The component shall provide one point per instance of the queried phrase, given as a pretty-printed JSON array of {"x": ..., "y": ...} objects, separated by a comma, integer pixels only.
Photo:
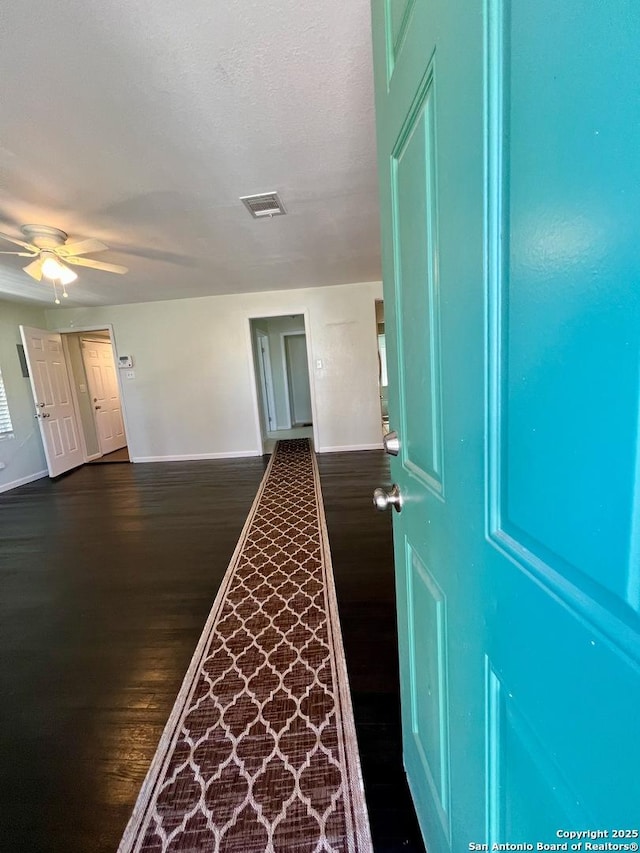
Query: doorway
[
  {"x": 93, "y": 377},
  {"x": 70, "y": 396},
  {"x": 284, "y": 394}
]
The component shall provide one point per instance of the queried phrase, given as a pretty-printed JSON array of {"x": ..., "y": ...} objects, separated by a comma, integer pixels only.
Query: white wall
[
  {"x": 194, "y": 393},
  {"x": 22, "y": 454}
]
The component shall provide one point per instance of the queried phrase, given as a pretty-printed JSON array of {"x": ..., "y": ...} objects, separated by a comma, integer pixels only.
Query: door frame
[
  {"x": 96, "y": 327},
  {"x": 267, "y": 315}
]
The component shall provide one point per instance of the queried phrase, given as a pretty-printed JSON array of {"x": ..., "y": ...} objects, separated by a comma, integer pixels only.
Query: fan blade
[
  {"x": 21, "y": 254},
  {"x": 81, "y": 247},
  {"x": 34, "y": 269},
  {"x": 24, "y": 245},
  {"x": 97, "y": 265}
]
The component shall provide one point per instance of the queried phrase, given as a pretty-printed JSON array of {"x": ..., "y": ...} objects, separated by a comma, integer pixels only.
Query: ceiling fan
[{"x": 51, "y": 253}]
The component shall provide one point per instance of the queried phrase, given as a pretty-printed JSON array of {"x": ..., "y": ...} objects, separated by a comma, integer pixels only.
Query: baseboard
[
  {"x": 93, "y": 456},
  {"x": 23, "y": 481},
  {"x": 345, "y": 448},
  {"x": 192, "y": 457}
]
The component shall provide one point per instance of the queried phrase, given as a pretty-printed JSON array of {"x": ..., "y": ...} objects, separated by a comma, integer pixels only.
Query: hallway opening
[
  {"x": 75, "y": 387},
  {"x": 93, "y": 376},
  {"x": 284, "y": 393}
]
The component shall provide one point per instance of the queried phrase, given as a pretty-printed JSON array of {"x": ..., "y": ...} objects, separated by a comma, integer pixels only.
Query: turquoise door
[{"x": 509, "y": 159}]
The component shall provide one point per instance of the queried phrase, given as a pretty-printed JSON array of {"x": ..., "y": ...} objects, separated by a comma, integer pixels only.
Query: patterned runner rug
[{"x": 259, "y": 754}]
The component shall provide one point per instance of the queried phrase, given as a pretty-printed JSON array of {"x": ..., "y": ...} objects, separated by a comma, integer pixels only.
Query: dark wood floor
[{"x": 106, "y": 579}]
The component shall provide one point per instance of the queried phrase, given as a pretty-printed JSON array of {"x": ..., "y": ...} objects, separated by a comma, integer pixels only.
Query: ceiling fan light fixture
[
  {"x": 56, "y": 271},
  {"x": 48, "y": 247}
]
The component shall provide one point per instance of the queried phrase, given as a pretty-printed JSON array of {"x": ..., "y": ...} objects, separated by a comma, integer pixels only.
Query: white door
[
  {"x": 105, "y": 394},
  {"x": 52, "y": 397},
  {"x": 298, "y": 376}
]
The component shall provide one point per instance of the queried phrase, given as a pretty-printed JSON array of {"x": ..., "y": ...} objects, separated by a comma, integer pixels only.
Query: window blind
[{"x": 6, "y": 427}]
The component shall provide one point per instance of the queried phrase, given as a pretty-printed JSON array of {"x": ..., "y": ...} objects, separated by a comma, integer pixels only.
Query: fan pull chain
[
  {"x": 55, "y": 292},
  {"x": 64, "y": 290}
]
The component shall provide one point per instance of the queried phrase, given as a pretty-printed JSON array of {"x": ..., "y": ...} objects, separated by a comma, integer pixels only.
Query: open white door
[
  {"x": 52, "y": 397},
  {"x": 105, "y": 394}
]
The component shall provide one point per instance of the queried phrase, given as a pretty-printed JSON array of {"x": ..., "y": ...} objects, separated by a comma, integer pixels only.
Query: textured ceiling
[{"x": 141, "y": 122}]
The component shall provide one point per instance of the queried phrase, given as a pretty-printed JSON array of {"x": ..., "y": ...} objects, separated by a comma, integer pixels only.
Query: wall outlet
[
  {"x": 2, "y": 466},
  {"x": 319, "y": 364},
  {"x": 130, "y": 374}
]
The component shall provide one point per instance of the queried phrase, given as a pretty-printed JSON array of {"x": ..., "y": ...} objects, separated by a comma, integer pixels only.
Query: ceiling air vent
[{"x": 264, "y": 204}]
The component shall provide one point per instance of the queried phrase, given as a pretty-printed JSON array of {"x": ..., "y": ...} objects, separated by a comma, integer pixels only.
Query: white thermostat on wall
[{"x": 125, "y": 361}]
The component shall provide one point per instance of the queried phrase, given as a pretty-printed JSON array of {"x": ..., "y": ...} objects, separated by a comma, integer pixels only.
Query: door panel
[
  {"x": 55, "y": 438},
  {"x": 564, "y": 429},
  {"x": 413, "y": 188},
  {"x": 426, "y": 615},
  {"x": 513, "y": 332},
  {"x": 52, "y": 397},
  {"x": 528, "y": 795},
  {"x": 398, "y": 14},
  {"x": 43, "y": 371}
]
